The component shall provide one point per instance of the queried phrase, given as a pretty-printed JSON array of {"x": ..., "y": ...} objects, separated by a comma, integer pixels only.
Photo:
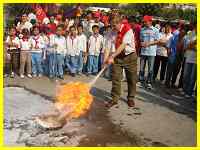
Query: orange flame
[{"x": 75, "y": 96}]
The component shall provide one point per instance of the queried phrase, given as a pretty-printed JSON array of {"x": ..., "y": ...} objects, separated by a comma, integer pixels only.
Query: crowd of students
[{"x": 81, "y": 45}]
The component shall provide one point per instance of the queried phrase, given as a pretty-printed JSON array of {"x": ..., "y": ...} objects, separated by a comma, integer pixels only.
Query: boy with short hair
[
  {"x": 82, "y": 48},
  {"x": 36, "y": 52},
  {"x": 95, "y": 44},
  {"x": 12, "y": 45},
  {"x": 72, "y": 51},
  {"x": 25, "y": 53},
  {"x": 56, "y": 58}
]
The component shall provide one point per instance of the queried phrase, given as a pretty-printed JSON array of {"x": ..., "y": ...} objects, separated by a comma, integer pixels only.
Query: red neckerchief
[
  {"x": 95, "y": 36},
  {"x": 25, "y": 39},
  {"x": 72, "y": 38},
  {"x": 36, "y": 38},
  {"x": 125, "y": 28}
]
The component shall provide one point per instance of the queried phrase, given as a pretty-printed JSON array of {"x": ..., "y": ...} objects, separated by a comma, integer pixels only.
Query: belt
[{"x": 123, "y": 55}]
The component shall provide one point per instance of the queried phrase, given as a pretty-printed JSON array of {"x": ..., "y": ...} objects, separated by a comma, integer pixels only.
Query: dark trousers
[
  {"x": 13, "y": 66},
  {"x": 143, "y": 60},
  {"x": 177, "y": 67},
  {"x": 129, "y": 63},
  {"x": 163, "y": 61},
  {"x": 180, "y": 84},
  {"x": 173, "y": 69}
]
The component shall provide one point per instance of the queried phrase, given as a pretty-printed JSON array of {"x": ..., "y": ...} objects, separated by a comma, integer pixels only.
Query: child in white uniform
[
  {"x": 95, "y": 45},
  {"x": 12, "y": 45},
  {"x": 25, "y": 53},
  {"x": 72, "y": 52}
]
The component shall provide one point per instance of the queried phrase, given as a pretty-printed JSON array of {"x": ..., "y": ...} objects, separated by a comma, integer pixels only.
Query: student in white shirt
[
  {"x": 25, "y": 54},
  {"x": 45, "y": 54},
  {"x": 12, "y": 46},
  {"x": 82, "y": 47},
  {"x": 36, "y": 52},
  {"x": 108, "y": 48},
  {"x": 56, "y": 58},
  {"x": 95, "y": 44},
  {"x": 71, "y": 58}
]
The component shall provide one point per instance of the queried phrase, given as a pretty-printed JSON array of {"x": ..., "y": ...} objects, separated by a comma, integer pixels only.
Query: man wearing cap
[
  {"x": 175, "y": 56},
  {"x": 136, "y": 28},
  {"x": 123, "y": 58},
  {"x": 96, "y": 21},
  {"x": 149, "y": 39}
]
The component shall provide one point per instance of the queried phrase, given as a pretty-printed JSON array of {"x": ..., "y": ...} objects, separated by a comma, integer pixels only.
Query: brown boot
[
  {"x": 111, "y": 103},
  {"x": 131, "y": 103}
]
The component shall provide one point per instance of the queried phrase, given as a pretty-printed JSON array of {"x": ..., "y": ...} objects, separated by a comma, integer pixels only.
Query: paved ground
[{"x": 162, "y": 117}]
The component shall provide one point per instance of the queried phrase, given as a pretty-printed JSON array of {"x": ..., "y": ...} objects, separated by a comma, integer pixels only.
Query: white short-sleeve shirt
[
  {"x": 26, "y": 25},
  {"x": 60, "y": 41},
  {"x": 39, "y": 41},
  {"x": 25, "y": 44},
  {"x": 129, "y": 40},
  {"x": 72, "y": 46},
  {"x": 15, "y": 41},
  {"x": 82, "y": 42},
  {"x": 95, "y": 44}
]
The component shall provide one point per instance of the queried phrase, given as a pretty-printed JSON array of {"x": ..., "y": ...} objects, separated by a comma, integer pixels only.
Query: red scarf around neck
[{"x": 120, "y": 35}]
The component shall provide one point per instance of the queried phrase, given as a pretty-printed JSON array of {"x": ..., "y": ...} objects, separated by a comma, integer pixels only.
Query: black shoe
[
  {"x": 111, "y": 104},
  {"x": 88, "y": 74},
  {"x": 173, "y": 86},
  {"x": 12, "y": 75},
  {"x": 131, "y": 103},
  {"x": 94, "y": 73},
  {"x": 73, "y": 74},
  {"x": 51, "y": 77},
  {"x": 167, "y": 85},
  {"x": 109, "y": 79},
  {"x": 61, "y": 77}
]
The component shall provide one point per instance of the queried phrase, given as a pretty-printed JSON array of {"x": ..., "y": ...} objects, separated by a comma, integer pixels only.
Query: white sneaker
[
  {"x": 182, "y": 92},
  {"x": 180, "y": 89},
  {"x": 22, "y": 76},
  {"x": 124, "y": 80},
  {"x": 149, "y": 86},
  {"x": 187, "y": 96},
  {"x": 39, "y": 75},
  {"x": 5, "y": 75},
  {"x": 34, "y": 75},
  {"x": 29, "y": 75},
  {"x": 12, "y": 75},
  {"x": 140, "y": 84}
]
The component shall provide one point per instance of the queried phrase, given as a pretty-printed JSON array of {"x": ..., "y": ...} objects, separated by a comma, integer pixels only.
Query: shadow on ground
[{"x": 158, "y": 97}]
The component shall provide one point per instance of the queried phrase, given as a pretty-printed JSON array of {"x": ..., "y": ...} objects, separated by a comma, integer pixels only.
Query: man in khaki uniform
[{"x": 124, "y": 57}]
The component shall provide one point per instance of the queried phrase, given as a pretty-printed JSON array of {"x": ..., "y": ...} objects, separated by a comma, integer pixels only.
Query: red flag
[{"x": 40, "y": 13}]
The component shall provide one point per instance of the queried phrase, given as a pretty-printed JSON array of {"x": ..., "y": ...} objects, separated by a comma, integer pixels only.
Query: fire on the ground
[{"x": 74, "y": 96}]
